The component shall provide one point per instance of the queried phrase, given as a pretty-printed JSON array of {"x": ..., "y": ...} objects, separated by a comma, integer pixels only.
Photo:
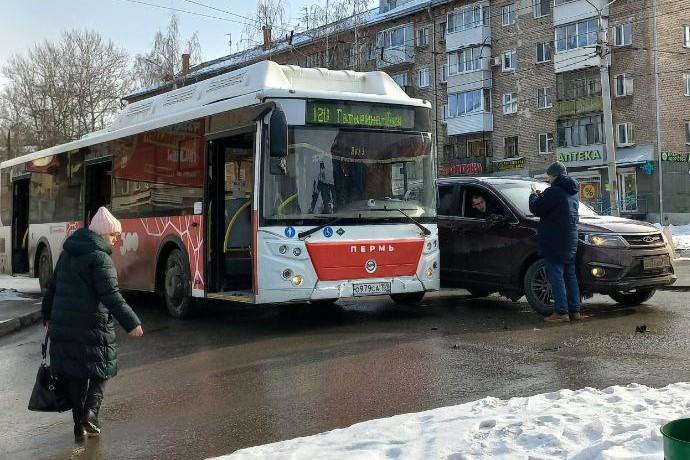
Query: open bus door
[
  {"x": 20, "y": 225},
  {"x": 97, "y": 191},
  {"x": 230, "y": 195}
]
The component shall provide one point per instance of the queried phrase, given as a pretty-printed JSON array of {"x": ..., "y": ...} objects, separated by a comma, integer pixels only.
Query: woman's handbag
[{"x": 48, "y": 394}]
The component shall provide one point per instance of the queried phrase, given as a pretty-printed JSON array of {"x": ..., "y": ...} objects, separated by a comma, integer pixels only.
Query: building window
[
  {"x": 624, "y": 134},
  {"x": 423, "y": 36},
  {"x": 509, "y": 61},
  {"x": 478, "y": 148},
  {"x": 371, "y": 51},
  {"x": 544, "y": 52},
  {"x": 686, "y": 36},
  {"x": 571, "y": 89},
  {"x": 423, "y": 77},
  {"x": 581, "y": 131},
  {"x": 400, "y": 79},
  {"x": 545, "y": 143},
  {"x": 510, "y": 103},
  {"x": 577, "y": 35},
  {"x": 541, "y": 8},
  {"x": 687, "y": 132},
  {"x": 686, "y": 83},
  {"x": 544, "y": 98},
  {"x": 467, "y": 102},
  {"x": 510, "y": 147},
  {"x": 465, "y": 60},
  {"x": 509, "y": 15},
  {"x": 393, "y": 38},
  {"x": 624, "y": 85},
  {"x": 468, "y": 18},
  {"x": 443, "y": 30},
  {"x": 624, "y": 34}
]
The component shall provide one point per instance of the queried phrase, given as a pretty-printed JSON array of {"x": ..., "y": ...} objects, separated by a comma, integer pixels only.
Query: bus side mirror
[
  {"x": 278, "y": 140},
  {"x": 278, "y": 134}
]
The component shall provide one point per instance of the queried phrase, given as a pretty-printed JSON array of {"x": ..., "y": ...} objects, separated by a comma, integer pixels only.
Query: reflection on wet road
[{"x": 237, "y": 377}]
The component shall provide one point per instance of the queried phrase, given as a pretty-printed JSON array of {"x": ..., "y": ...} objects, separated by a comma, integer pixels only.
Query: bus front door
[
  {"x": 20, "y": 226},
  {"x": 231, "y": 185},
  {"x": 98, "y": 188}
]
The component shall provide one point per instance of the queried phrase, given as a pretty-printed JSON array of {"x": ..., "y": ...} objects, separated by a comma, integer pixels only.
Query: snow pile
[
  {"x": 615, "y": 423},
  {"x": 12, "y": 294},
  {"x": 19, "y": 283},
  {"x": 681, "y": 236}
]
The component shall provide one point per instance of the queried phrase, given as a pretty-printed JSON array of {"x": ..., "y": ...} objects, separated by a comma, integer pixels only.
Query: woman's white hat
[{"x": 104, "y": 222}]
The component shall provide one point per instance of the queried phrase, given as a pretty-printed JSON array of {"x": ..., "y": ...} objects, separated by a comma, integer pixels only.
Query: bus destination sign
[{"x": 360, "y": 115}]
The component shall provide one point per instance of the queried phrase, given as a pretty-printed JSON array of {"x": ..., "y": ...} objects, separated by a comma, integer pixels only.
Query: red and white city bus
[{"x": 266, "y": 184}]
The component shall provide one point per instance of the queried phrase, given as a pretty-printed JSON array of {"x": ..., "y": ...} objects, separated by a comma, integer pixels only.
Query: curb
[{"x": 23, "y": 321}]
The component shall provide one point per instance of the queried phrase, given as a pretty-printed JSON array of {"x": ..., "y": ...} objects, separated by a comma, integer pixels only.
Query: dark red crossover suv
[{"x": 494, "y": 248}]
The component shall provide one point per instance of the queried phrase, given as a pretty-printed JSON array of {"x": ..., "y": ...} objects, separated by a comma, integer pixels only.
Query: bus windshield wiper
[
  {"x": 306, "y": 233},
  {"x": 425, "y": 230}
]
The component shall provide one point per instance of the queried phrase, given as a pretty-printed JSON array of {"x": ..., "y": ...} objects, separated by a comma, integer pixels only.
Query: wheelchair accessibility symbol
[
  {"x": 289, "y": 232},
  {"x": 328, "y": 232}
]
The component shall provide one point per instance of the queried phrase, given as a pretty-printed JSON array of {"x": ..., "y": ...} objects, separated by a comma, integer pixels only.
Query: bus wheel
[
  {"x": 408, "y": 299},
  {"x": 45, "y": 269},
  {"x": 177, "y": 285}
]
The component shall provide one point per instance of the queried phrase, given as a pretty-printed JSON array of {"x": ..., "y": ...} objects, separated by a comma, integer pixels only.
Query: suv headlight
[{"x": 604, "y": 240}]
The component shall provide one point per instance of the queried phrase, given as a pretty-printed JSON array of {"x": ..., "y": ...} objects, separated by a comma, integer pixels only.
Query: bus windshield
[{"x": 351, "y": 173}]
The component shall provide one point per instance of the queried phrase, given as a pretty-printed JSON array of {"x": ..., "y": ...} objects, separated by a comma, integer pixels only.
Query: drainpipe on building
[
  {"x": 435, "y": 87},
  {"x": 658, "y": 114}
]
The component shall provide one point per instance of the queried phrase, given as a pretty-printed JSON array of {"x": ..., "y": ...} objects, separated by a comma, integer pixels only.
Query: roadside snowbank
[
  {"x": 20, "y": 283},
  {"x": 614, "y": 423}
]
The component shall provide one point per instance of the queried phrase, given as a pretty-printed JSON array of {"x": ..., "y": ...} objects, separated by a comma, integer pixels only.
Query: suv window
[
  {"x": 447, "y": 201},
  {"x": 480, "y": 204}
]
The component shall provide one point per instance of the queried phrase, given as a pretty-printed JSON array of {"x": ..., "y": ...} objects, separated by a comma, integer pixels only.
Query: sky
[{"x": 131, "y": 24}]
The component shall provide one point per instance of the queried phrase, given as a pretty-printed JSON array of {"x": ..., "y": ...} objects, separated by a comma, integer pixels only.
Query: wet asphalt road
[{"x": 236, "y": 377}]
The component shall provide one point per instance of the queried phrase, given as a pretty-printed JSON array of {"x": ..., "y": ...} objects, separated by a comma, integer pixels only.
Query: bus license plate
[
  {"x": 652, "y": 263},
  {"x": 363, "y": 289}
]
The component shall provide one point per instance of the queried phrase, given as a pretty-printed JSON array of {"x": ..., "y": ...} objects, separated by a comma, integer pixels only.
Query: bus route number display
[{"x": 360, "y": 115}]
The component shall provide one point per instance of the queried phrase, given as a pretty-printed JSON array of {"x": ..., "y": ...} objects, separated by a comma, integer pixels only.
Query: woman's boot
[
  {"x": 90, "y": 422},
  {"x": 79, "y": 432}
]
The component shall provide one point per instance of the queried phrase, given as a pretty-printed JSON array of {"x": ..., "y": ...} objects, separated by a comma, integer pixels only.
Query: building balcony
[
  {"x": 480, "y": 35},
  {"x": 468, "y": 81},
  {"x": 395, "y": 56},
  {"x": 576, "y": 10},
  {"x": 471, "y": 123},
  {"x": 579, "y": 58},
  {"x": 580, "y": 106}
]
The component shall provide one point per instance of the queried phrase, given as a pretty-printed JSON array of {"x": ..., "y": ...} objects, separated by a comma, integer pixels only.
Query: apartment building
[{"x": 515, "y": 85}]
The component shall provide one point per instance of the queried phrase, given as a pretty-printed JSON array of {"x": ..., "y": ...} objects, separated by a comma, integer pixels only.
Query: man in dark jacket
[
  {"x": 557, "y": 209},
  {"x": 79, "y": 306}
]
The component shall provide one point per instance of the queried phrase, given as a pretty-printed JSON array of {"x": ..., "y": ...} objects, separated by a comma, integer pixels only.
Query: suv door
[
  {"x": 487, "y": 246},
  {"x": 449, "y": 208}
]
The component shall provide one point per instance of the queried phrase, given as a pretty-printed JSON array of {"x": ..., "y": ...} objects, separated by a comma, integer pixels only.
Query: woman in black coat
[{"x": 82, "y": 299}]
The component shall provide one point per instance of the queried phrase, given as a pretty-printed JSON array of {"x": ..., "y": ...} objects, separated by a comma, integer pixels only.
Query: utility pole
[
  {"x": 658, "y": 117},
  {"x": 604, "y": 51}
]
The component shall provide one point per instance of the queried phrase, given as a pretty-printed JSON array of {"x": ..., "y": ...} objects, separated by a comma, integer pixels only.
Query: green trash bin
[{"x": 677, "y": 439}]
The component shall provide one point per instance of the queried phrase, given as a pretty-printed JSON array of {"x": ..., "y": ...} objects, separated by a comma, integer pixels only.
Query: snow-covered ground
[
  {"x": 620, "y": 422},
  {"x": 681, "y": 236},
  {"x": 20, "y": 283}
]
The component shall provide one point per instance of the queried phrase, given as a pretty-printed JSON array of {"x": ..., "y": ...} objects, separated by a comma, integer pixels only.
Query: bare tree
[
  {"x": 59, "y": 91},
  {"x": 269, "y": 13},
  {"x": 164, "y": 61},
  {"x": 338, "y": 25}
]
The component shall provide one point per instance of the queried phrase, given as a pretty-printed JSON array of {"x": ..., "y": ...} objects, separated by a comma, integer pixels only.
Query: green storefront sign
[
  {"x": 676, "y": 157},
  {"x": 585, "y": 155}
]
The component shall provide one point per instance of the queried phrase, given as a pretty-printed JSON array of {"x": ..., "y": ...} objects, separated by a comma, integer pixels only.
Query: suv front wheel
[{"x": 538, "y": 289}]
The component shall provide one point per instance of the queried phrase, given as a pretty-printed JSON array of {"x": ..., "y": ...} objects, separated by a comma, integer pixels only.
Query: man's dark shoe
[
  {"x": 575, "y": 316},
  {"x": 557, "y": 318},
  {"x": 90, "y": 422},
  {"x": 79, "y": 433}
]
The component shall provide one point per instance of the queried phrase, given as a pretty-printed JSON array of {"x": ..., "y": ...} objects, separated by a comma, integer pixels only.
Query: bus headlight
[{"x": 297, "y": 280}]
